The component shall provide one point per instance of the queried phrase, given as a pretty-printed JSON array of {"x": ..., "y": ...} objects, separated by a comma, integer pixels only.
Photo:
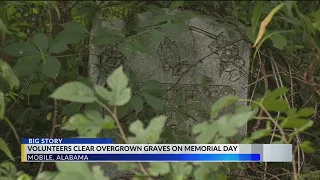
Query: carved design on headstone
[
  {"x": 228, "y": 53},
  {"x": 192, "y": 95},
  {"x": 169, "y": 56}
]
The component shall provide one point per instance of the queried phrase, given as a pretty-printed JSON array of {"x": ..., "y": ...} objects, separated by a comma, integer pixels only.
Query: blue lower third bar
[{"x": 145, "y": 157}]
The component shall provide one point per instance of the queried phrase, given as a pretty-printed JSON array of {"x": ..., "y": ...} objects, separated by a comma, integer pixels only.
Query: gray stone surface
[{"x": 208, "y": 49}]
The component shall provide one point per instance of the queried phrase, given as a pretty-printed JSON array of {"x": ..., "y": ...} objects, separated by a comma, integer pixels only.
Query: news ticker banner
[{"x": 102, "y": 150}]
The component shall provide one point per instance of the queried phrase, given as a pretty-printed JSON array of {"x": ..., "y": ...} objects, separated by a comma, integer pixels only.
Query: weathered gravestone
[{"x": 181, "y": 61}]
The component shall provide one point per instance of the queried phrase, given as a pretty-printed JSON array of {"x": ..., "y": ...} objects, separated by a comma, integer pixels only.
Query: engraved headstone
[{"x": 181, "y": 61}]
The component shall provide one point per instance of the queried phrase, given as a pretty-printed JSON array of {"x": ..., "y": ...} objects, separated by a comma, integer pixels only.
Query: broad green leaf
[
  {"x": 307, "y": 147},
  {"x": 277, "y": 105},
  {"x": 226, "y": 128},
  {"x": 98, "y": 173},
  {"x": 26, "y": 66},
  {"x": 84, "y": 127},
  {"x": 8, "y": 74},
  {"x": 70, "y": 37},
  {"x": 157, "y": 35},
  {"x": 291, "y": 111},
  {"x": 155, "y": 9},
  {"x": 74, "y": 92},
  {"x": 126, "y": 166},
  {"x": 294, "y": 123},
  {"x": 34, "y": 89},
  {"x": 180, "y": 170},
  {"x": 154, "y": 102},
  {"x": 107, "y": 36},
  {"x": 126, "y": 49},
  {"x": 221, "y": 103},
  {"x": 151, "y": 134},
  {"x": 203, "y": 172},
  {"x": 105, "y": 123},
  {"x": 175, "y": 27},
  {"x": 278, "y": 41},
  {"x": 75, "y": 27},
  {"x": 114, "y": 97},
  {"x": 206, "y": 132},
  {"x": 3, "y": 27},
  {"x": 41, "y": 40},
  {"x": 276, "y": 93},
  {"x": 306, "y": 112},
  {"x": 58, "y": 48},
  {"x": 151, "y": 84},
  {"x": 24, "y": 176},
  {"x": 139, "y": 46},
  {"x": 159, "y": 168},
  {"x": 302, "y": 128},
  {"x": 137, "y": 103},
  {"x": 51, "y": 68},
  {"x": 117, "y": 79},
  {"x": 162, "y": 18},
  {"x": 4, "y": 147},
  {"x": 69, "y": 176},
  {"x": 21, "y": 49},
  {"x": 240, "y": 119},
  {"x": 256, "y": 135},
  {"x": 46, "y": 175},
  {"x": 71, "y": 108},
  {"x": 176, "y": 4},
  {"x": 2, "y": 105}
]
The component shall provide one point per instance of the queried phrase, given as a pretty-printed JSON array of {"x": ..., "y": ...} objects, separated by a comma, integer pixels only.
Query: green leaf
[
  {"x": 2, "y": 105},
  {"x": 176, "y": 4},
  {"x": 151, "y": 84},
  {"x": 83, "y": 126},
  {"x": 98, "y": 173},
  {"x": 106, "y": 122},
  {"x": 175, "y": 27},
  {"x": 58, "y": 48},
  {"x": 34, "y": 89},
  {"x": 20, "y": 49},
  {"x": 126, "y": 48},
  {"x": 239, "y": 119},
  {"x": 162, "y": 18},
  {"x": 159, "y": 168},
  {"x": 117, "y": 79},
  {"x": 126, "y": 166},
  {"x": 203, "y": 172},
  {"x": 306, "y": 112},
  {"x": 256, "y": 135},
  {"x": 302, "y": 128},
  {"x": 306, "y": 147},
  {"x": 119, "y": 94},
  {"x": 41, "y": 40},
  {"x": 26, "y": 66},
  {"x": 51, "y": 68},
  {"x": 137, "y": 103},
  {"x": 294, "y": 123},
  {"x": 149, "y": 135},
  {"x": 139, "y": 46},
  {"x": 8, "y": 74},
  {"x": 206, "y": 132},
  {"x": 221, "y": 103},
  {"x": 157, "y": 35},
  {"x": 46, "y": 175},
  {"x": 75, "y": 27},
  {"x": 69, "y": 176},
  {"x": 5, "y": 149},
  {"x": 70, "y": 37},
  {"x": 154, "y": 102},
  {"x": 277, "y": 105},
  {"x": 180, "y": 170},
  {"x": 276, "y": 93},
  {"x": 155, "y": 9},
  {"x": 278, "y": 41},
  {"x": 3, "y": 27},
  {"x": 74, "y": 92},
  {"x": 71, "y": 108}
]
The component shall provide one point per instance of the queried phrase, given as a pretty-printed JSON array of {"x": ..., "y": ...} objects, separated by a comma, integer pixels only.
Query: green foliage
[{"x": 37, "y": 63}]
